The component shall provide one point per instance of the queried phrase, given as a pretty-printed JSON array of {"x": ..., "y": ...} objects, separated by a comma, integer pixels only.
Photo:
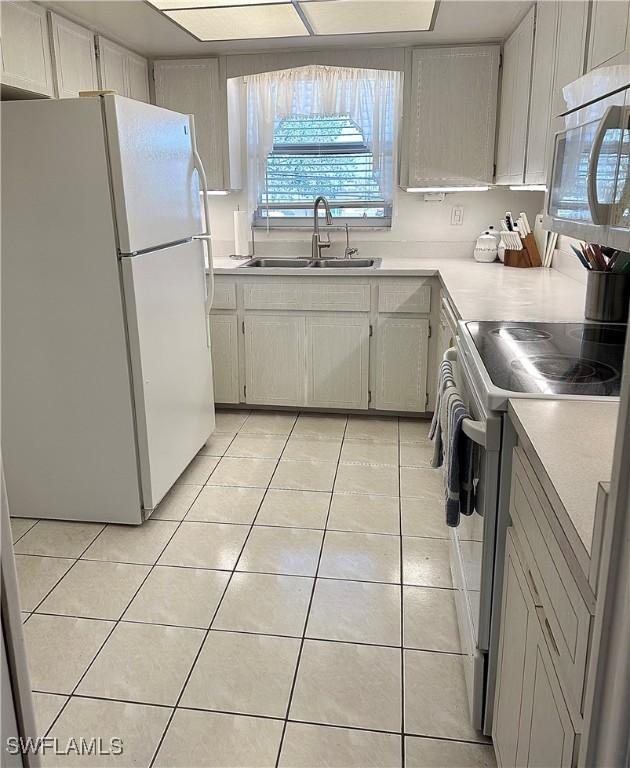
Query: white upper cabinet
[
  {"x": 193, "y": 86},
  {"x": 122, "y": 71},
  {"x": 137, "y": 77},
  {"x": 112, "y": 66},
  {"x": 74, "y": 57},
  {"x": 450, "y": 115},
  {"x": 25, "y": 48},
  {"x": 571, "y": 37},
  {"x": 539, "y": 129},
  {"x": 609, "y": 36},
  {"x": 515, "y": 89}
]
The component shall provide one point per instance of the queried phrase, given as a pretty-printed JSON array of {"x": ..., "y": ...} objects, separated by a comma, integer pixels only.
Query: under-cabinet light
[
  {"x": 447, "y": 189},
  {"x": 217, "y": 191},
  {"x": 528, "y": 187}
]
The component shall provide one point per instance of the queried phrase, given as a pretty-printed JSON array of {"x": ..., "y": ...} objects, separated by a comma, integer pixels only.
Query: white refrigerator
[{"x": 106, "y": 369}]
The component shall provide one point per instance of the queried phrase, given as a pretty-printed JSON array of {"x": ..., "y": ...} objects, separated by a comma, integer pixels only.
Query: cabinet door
[
  {"x": 402, "y": 354},
  {"x": 515, "y": 619},
  {"x": 137, "y": 77},
  {"x": 25, "y": 48},
  {"x": 515, "y": 87},
  {"x": 608, "y": 42},
  {"x": 274, "y": 359},
  {"x": 112, "y": 66},
  {"x": 192, "y": 86},
  {"x": 539, "y": 132},
  {"x": 74, "y": 57},
  {"x": 451, "y": 129},
  {"x": 546, "y": 735},
  {"x": 337, "y": 352},
  {"x": 570, "y": 53},
  {"x": 224, "y": 347}
]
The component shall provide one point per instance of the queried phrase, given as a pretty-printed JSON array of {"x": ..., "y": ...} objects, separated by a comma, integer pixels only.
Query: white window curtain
[{"x": 370, "y": 97}]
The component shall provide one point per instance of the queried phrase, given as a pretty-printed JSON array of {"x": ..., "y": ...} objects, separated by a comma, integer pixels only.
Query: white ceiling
[{"x": 144, "y": 29}]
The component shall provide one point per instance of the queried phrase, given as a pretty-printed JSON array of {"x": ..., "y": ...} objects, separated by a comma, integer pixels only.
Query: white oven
[
  {"x": 473, "y": 541},
  {"x": 589, "y": 185}
]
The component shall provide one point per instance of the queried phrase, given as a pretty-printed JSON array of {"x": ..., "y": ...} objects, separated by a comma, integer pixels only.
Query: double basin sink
[{"x": 265, "y": 263}]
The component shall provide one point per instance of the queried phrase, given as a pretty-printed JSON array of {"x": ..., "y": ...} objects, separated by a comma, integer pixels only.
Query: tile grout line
[
  {"x": 244, "y": 632},
  {"x": 133, "y": 597},
  {"x": 402, "y": 614},
  {"x": 218, "y": 607},
  {"x": 117, "y": 621},
  {"x": 310, "y": 603}
]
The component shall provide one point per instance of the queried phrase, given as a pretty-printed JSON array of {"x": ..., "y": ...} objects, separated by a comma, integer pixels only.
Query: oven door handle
[{"x": 475, "y": 430}]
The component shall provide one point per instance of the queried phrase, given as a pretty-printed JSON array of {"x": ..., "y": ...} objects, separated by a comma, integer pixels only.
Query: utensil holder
[
  {"x": 528, "y": 256},
  {"x": 607, "y": 297},
  {"x": 514, "y": 258}
]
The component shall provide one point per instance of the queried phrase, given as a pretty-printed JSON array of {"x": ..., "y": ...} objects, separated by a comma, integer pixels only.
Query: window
[
  {"x": 314, "y": 156},
  {"x": 321, "y": 130}
]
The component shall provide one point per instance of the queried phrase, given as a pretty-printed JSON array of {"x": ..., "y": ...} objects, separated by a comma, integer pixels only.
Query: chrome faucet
[
  {"x": 317, "y": 242},
  {"x": 349, "y": 253}
]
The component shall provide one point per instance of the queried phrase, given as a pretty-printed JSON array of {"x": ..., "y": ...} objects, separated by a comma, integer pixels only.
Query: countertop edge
[{"x": 576, "y": 552}]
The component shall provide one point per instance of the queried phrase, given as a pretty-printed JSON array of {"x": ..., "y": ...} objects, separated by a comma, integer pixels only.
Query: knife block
[{"x": 528, "y": 256}]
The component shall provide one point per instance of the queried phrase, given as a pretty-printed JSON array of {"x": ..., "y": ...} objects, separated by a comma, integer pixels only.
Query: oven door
[
  {"x": 473, "y": 543},
  {"x": 588, "y": 192}
]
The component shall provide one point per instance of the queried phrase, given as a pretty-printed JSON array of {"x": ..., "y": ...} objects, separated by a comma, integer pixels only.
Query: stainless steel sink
[
  {"x": 346, "y": 263},
  {"x": 270, "y": 263},
  {"x": 279, "y": 263}
]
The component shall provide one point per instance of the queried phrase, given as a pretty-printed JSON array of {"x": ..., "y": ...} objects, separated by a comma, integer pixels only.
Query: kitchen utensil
[{"x": 583, "y": 260}]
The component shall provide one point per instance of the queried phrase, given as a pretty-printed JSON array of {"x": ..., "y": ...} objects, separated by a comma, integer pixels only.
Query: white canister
[{"x": 485, "y": 248}]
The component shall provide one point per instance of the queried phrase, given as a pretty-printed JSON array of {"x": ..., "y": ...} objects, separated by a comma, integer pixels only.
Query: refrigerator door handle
[{"x": 206, "y": 235}]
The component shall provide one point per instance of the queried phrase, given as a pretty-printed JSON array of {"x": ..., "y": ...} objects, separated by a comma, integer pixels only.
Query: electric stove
[{"x": 551, "y": 359}]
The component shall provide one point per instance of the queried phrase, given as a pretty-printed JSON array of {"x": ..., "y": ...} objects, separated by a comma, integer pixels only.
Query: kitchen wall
[{"x": 418, "y": 227}]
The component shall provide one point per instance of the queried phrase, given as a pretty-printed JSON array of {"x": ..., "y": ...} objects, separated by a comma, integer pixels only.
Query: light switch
[{"x": 457, "y": 215}]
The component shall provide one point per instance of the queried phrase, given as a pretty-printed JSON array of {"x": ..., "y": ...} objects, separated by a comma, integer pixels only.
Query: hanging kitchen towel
[
  {"x": 459, "y": 474},
  {"x": 445, "y": 379}
]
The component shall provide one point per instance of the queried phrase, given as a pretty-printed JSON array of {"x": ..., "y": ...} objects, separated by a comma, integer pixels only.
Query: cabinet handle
[
  {"x": 547, "y": 627},
  {"x": 533, "y": 587}
]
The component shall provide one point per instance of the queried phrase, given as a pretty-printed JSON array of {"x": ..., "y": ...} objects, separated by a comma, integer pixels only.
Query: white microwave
[{"x": 588, "y": 194}]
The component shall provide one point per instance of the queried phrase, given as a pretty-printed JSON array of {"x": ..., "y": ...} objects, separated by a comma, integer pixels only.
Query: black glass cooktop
[{"x": 552, "y": 358}]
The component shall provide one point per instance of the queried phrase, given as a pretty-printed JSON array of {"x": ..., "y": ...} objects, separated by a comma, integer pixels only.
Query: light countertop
[
  {"x": 478, "y": 291},
  {"x": 574, "y": 442}
]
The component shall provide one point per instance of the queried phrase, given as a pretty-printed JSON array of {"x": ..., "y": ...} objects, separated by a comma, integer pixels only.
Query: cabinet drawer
[
  {"x": 224, "y": 294},
  {"x": 412, "y": 296},
  {"x": 330, "y": 296},
  {"x": 565, "y": 616}
]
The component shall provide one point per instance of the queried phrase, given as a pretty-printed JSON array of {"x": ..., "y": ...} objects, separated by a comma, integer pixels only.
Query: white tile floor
[{"x": 270, "y": 612}]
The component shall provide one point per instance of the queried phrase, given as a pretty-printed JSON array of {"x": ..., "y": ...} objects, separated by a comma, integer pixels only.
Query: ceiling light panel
[
  {"x": 241, "y": 22},
  {"x": 346, "y": 17},
  {"x": 172, "y": 5}
]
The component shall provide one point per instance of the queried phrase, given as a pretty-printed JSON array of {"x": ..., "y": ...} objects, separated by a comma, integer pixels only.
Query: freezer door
[
  {"x": 170, "y": 361},
  {"x": 155, "y": 184}
]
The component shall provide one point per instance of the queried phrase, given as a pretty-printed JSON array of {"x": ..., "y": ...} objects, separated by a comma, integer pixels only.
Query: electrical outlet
[{"x": 457, "y": 215}]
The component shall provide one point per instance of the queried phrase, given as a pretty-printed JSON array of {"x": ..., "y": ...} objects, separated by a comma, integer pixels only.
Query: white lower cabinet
[
  {"x": 546, "y": 736},
  {"x": 402, "y": 349},
  {"x": 314, "y": 343},
  {"x": 224, "y": 346},
  {"x": 515, "y": 617},
  {"x": 337, "y": 360},
  {"x": 532, "y": 726},
  {"x": 274, "y": 359}
]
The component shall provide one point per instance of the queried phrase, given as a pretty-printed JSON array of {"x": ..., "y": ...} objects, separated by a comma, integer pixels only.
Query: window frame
[{"x": 260, "y": 221}]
